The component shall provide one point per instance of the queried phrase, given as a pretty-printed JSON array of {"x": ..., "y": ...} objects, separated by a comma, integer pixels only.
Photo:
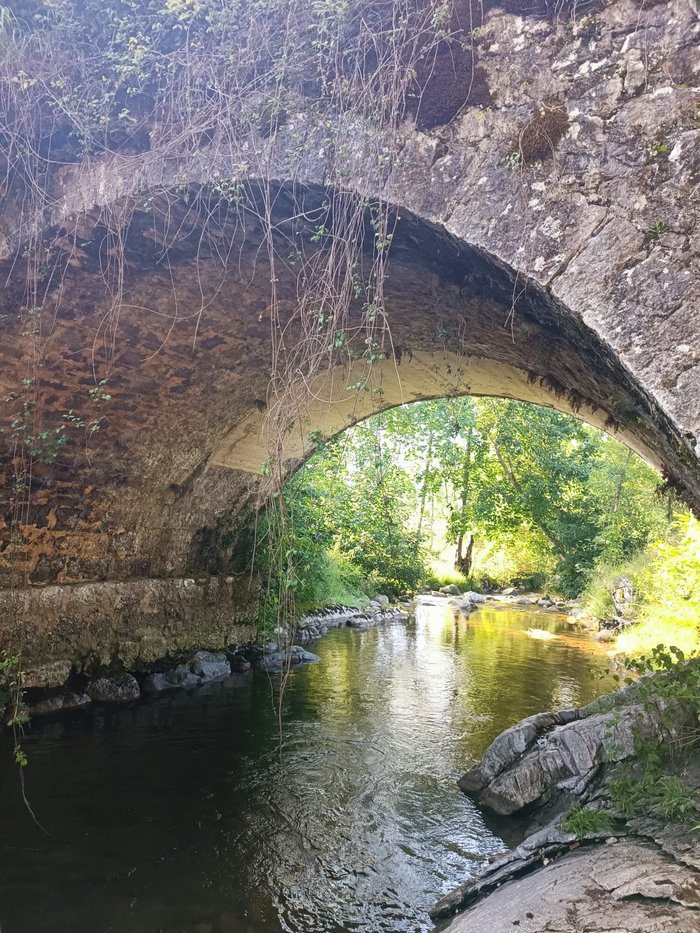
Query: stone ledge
[{"x": 91, "y": 625}]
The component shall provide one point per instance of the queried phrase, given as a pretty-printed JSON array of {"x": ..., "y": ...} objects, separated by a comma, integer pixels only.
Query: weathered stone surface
[
  {"x": 628, "y": 887},
  {"x": 507, "y": 749},
  {"x": 644, "y": 877},
  {"x": 135, "y": 622},
  {"x": 51, "y": 674},
  {"x": 114, "y": 688},
  {"x": 209, "y": 664}
]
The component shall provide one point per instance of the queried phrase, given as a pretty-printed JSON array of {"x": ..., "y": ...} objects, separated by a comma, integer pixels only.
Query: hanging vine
[{"x": 202, "y": 114}]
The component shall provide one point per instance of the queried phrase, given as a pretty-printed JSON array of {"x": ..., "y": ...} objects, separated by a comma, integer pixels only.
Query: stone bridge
[{"x": 567, "y": 274}]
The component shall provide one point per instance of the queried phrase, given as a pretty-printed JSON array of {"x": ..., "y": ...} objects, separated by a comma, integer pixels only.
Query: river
[{"x": 193, "y": 813}]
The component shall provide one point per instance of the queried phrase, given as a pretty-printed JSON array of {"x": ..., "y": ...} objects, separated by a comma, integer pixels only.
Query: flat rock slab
[{"x": 629, "y": 887}]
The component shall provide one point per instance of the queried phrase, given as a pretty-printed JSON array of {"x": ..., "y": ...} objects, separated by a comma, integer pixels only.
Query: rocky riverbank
[
  {"x": 607, "y": 799},
  {"x": 72, "y": 689}
]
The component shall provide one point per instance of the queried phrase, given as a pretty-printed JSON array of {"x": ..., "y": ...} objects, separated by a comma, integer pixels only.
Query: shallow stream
[{"x": 192, "y": 813}]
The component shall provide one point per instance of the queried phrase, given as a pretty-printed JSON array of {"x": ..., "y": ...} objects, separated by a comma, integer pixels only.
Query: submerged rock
[
  {"x": 61, "y": 703},
  {"x": 114, "y": 688},
  {"x": 180, "y": 676},
  {"x": 277, "y": 661},
  {"x": 473, "y": 597},
  {"x": 208, "y": 665},
  {"x": 201, "y": 668}
]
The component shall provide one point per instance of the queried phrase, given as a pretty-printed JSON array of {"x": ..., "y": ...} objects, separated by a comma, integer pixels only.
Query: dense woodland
[{"x": 490, "y": 493}]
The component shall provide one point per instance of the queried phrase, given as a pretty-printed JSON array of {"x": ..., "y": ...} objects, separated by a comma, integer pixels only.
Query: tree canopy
[{"x": 494, "y": 475}]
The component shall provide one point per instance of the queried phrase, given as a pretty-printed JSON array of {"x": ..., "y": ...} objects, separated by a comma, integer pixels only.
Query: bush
[{"x": 668, "y": 609}]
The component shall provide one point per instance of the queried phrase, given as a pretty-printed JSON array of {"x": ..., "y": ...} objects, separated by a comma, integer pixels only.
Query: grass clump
[
  {"x": 661, "y": 795},
  {"x": 582, "y": 820}
]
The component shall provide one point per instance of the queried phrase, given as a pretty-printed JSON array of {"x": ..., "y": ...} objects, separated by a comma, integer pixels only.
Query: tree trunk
[{"x": 463, "y": 561}]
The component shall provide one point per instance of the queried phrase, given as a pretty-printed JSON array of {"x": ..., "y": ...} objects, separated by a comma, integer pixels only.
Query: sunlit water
[{"x": 189, "y": 814}]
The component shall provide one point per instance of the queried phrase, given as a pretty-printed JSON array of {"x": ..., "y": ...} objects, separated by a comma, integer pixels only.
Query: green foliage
[
  {"x": 355, "y": 500},
  {"x": 9, "y": 674},
  {"x": 582, "y": 820},
  {"x": 667, "y": 583},
  {"x": 656, "y": 229},
  {"x": 675, "y": 683},
  {"x": 546, "y": 498},
  {"x": 10, "y": 699},
  {"x": 626, "y": 795}
]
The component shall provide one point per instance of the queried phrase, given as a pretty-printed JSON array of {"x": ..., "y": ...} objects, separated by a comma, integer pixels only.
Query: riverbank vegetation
[{"x": 491, "y": 493}]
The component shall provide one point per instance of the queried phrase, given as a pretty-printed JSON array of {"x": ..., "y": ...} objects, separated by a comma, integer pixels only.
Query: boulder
[
  {"x": 114, "y": 688},
  {"x": 75, "y": 701},
  {"x": 180, "y": 676},
  {"x": 551, "y": 753},
  {"x": 382, "y": 600},
  {"x": 278, "y": 661},
  {"x": 451, "y": 590},
  {"x": 46, "y": 707}
]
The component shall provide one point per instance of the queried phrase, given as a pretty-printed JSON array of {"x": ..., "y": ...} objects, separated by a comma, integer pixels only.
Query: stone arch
[
  {"x": 571, "y": 280},
  {"x": 182, "y": 439}
]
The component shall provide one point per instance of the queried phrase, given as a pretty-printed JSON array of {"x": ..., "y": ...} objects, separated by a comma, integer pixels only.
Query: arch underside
[{"x": 185, "y": 353}]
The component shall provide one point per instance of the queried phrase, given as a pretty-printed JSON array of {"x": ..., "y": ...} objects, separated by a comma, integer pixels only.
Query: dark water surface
[{"x": 188, "y": 814}]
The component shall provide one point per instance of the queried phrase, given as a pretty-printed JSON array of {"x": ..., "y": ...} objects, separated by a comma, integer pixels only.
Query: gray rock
[
  {"x": 76, "y": 701},
  {"x": 180, "y": 676},
  {"x": 451, "y": 590},
  {"x": 382, "y": 600},
  {"x": 532, "y": 761},
  {"x": 208, "y": 665},
  {"x": 278, "y": 661},
  {"x": 201, "y": 668},
  {"x": 114, "y": 688},
  {"x": 630, "y": 886},
  {"x": 474, "y": 597}
]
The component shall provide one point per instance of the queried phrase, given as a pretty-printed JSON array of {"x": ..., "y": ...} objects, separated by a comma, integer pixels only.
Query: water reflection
[{"x": 189, "y": 814}]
